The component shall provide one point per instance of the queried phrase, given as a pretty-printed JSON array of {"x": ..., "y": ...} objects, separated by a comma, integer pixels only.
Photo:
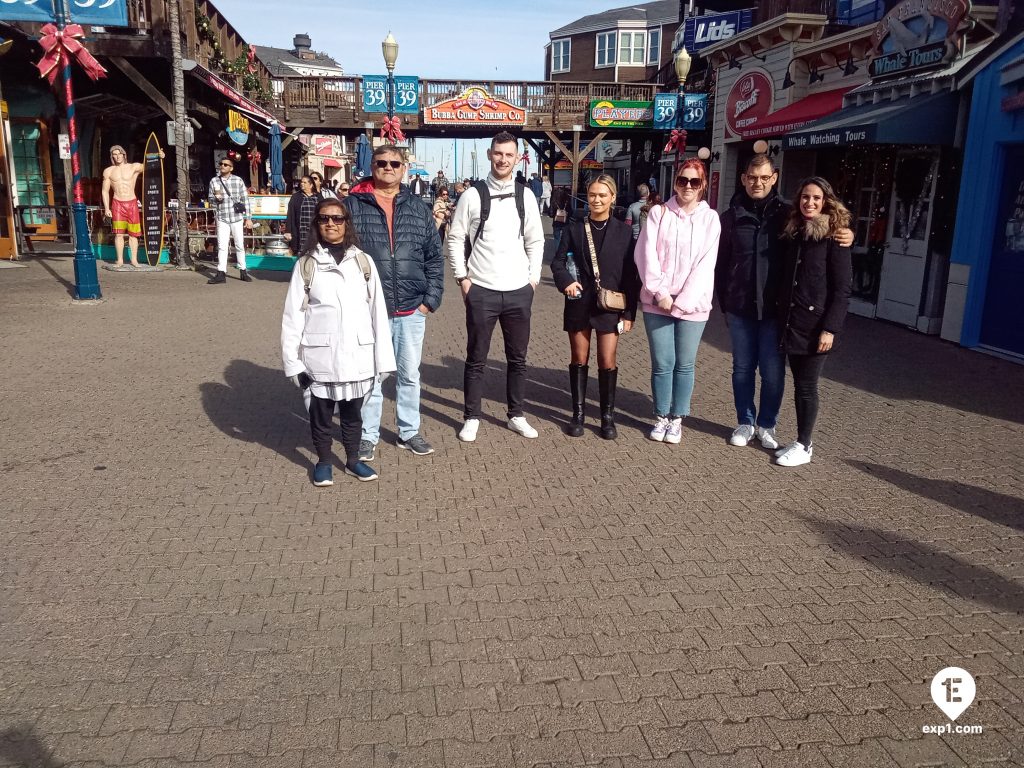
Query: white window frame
[
  {"x": 611, "y": 50},
  {"x": 653, "y": 52},
  {"x": 567, "y": 56},
  {"x": 633, "y": 47}
]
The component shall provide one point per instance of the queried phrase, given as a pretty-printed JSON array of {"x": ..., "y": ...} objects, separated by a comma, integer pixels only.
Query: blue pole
[{"x": 87, "y": 284}]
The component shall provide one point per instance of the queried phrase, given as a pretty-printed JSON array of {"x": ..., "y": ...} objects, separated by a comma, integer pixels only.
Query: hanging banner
[
  {"x": 621, "y": 114},
  {"x": 407, "y": 94},
  {"x": 474, "y": 106},
  {"x": 105, "y": 13},
  {"x": 153, "y": 201},
  {"x": 695, "y": 109}
]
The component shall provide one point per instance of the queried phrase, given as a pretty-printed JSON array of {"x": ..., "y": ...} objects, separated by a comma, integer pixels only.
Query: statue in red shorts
[{"x": 123, "y": 210}]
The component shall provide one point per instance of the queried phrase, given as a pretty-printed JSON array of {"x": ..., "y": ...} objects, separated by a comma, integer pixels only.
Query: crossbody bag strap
[
  {"x": 221, "y": 180},
  {"x": 593, "y": 253}
]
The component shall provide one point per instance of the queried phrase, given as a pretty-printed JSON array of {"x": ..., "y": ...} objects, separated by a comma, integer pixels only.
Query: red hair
[{"x": 695, "y": 165}]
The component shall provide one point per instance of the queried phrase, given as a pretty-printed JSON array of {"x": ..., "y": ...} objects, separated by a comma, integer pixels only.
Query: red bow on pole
[
  {"x": 254, "y": 165},
  {"x": 676, "y": 142},
  {"x": 391, "y": 130},
  {"x": 251, "y": 60},
  {"x": 61, "y": 46}
]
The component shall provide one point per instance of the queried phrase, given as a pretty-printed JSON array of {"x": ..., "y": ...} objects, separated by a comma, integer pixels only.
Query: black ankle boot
[
  {"x": 607, "y": 380},
  {"x": 578, "y": 387},
  {"x": 217, "y": 279}
]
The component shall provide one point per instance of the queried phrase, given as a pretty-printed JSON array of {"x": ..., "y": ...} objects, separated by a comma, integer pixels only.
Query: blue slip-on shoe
[
  {"x": 361, "y": 471},
  {"x": 323, "y": 474}
]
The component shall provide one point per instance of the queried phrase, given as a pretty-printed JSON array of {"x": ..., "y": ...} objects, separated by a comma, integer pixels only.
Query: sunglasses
[
  {"x": 382, "y": 164},
  {"x": 334, "y": 218},
  {"x": 693, "y": 181},
  {"x": 343, "y": 189},
  {"x": 225, "y": 165}
]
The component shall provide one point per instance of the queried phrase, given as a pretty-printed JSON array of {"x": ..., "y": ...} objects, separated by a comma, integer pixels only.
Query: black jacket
[
  {"x": 746, "y": 249},
  {"x": 413, "y": 272},
  {"x": 618, "y": 270},
  {"x": 811, "y": 282},
  {"x": 291, "y": 224}
]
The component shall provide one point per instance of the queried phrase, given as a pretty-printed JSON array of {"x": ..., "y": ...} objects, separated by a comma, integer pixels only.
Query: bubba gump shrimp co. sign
[{"x": 474, "y": 106}]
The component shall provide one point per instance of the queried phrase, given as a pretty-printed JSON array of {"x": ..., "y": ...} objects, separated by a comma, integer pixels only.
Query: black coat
[
  {"x": 746, "y": 249},
  {"x": 291, "y": 224},
  {"x": 811, "y": 283},
  {"x": 618, "y": 269},
  {"x": 413, "y": 272}
]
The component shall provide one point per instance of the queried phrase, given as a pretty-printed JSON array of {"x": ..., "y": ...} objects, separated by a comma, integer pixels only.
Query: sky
[{"x": 467, "y": 39}]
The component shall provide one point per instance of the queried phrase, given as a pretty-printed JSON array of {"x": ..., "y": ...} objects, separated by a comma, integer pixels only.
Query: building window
[
  {"x": 606, "y": 49},
  {"x": 560, "y": 56},
  {"x": 654, "y": 47},
  {"x": 631, "y": 48}
]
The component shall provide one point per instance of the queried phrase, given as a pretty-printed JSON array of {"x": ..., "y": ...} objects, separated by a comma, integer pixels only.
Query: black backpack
[{"x": 485, "y": 210}]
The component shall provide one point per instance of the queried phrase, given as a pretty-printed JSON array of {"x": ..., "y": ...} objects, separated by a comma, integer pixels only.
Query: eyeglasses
[
  {"x": 382, "y": 164},
  {"x": 333, "y": 218},
  {"x": 343, "y": 189},
  {"x": 225, "y": 165},
  {"x": 762, "y": 179},
  {"x": 693, "y": 181}
]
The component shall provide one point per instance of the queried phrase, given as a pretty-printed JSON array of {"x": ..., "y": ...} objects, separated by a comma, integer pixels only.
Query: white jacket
[{"x": 343, "y": 335}]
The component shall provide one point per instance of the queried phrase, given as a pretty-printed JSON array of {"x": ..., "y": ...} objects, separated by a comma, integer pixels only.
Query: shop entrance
[
  {"x": 30, "y": 145},
  {"x": 8, "y": 246},
  {"x": 1001, "y": 326},
  {"x": 906, "y": 253}
]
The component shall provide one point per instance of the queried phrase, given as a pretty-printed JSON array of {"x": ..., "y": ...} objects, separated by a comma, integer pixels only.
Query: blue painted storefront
[{"x": 987, "y": 263}]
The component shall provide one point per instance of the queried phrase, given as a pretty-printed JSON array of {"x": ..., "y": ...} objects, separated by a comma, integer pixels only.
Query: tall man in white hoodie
[{"x": 496, "y": 245}]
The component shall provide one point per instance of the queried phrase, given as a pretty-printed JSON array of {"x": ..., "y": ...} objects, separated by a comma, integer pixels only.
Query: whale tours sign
[
  {"x": 917, "y": 35},
  {"x": 474, "y": 106}
]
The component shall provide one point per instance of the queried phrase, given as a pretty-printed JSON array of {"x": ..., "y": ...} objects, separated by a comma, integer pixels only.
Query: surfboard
[{"x": 153, "y": 201}]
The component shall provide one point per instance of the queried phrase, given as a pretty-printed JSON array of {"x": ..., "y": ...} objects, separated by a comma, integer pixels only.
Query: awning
[
  {"x": 910, "y": 120},
  {"x": 330, "y": 162},
  {"x": 797, "y": 114},
  {"x": 225, "y": 90}
]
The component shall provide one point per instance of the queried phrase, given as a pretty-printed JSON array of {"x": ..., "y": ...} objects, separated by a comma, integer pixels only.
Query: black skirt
[{"x": 583, "y": 314}]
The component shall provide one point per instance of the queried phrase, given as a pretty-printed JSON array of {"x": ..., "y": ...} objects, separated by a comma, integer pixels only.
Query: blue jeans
[
  {"x": 407, "y": 338},
  {"x": 755, "y": 345},
  {"x": 673, "y": 356}
]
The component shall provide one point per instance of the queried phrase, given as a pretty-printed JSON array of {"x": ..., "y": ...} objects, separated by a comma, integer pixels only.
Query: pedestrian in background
[
  {"x": 228, "y": 194},
  {"x": 633, "y": 212},
  {"x": 561, "y": 214},
  {"x": 676, "y": 258},
  {"x": 603, "y": 240},
  {"x": 442, "y": 212},
  {"x": 811, "y": 289},
  {"x": 320, "y": 187},
  {"x": 335, "y": 340},
  {"x": 301, "y": 208},
  {"x": 545, "y": 195}
]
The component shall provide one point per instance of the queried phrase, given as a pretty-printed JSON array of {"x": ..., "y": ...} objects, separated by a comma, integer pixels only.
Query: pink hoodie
[{"x": 676, "y": 256}]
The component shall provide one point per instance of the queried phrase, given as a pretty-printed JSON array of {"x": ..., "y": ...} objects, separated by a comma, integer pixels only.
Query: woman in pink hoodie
[{"x": 675, "y": 256}]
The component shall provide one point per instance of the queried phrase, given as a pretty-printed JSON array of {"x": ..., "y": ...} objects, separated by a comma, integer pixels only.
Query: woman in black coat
[
  {"x": 811, "y": 289},
  {"x": 573, "y": 272},
  {"x": 300, "y": 214}
]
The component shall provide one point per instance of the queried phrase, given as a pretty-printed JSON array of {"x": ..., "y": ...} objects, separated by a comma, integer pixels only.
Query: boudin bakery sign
[
  {"x": 918, "y": 34},
  {"x": 750, "y": 99},
  {"x": 474, "y": 106}
]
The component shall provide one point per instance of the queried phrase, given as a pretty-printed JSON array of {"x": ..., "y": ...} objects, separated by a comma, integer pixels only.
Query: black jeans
[
  {"x": 806, "y": 372},
  {"x": 484, "y": 308},
  {"x": 321, "y": 418}
]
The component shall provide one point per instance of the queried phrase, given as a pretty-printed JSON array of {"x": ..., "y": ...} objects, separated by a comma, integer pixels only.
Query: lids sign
[
  {"x": 621, "y": 114},
  {"x": 916, "y": 35},
  {"x": 474, "y": 106},
  {"x": 750, "y": 99}
]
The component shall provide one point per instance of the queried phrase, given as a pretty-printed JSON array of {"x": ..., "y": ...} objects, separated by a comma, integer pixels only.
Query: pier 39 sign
[
  {"x": 916, "y": 35},
  {"x": 474, "y": 106}
]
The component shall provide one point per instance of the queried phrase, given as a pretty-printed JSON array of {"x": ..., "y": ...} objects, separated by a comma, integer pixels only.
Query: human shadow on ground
[
  {"x": 993, "y": 506},
  {"x": 259, "y": 405},
  {"x": 42, "y": 261},
  {"x": 20, "y": 746},
  {"x": 901, "y": 364},
  {"x": 922, "y": 563}
]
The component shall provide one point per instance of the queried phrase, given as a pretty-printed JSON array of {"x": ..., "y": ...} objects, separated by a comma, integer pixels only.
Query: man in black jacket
[
  {"x": 749, "y": 243},
  {"x": 397, "y": 229}
]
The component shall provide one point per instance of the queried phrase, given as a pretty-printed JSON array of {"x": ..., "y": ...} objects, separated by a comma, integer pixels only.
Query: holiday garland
[{"x": 251, "y": 83}]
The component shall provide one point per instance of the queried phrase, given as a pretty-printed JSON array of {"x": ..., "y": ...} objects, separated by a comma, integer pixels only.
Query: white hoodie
[{"x": 501, "y": 260}]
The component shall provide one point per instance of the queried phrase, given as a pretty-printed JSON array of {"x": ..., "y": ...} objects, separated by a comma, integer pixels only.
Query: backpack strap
[
  {"x": 364, "y": 264},
  {"x": 521, "y": 208},
  {"x": 307, "y": 268},
  {"x": 485, "y": 207}
]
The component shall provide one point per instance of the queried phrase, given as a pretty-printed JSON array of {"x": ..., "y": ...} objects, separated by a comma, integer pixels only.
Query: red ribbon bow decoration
[
  {"x": 251, "y": 60},
  {"x": 254, "y": 162},
  {"x": 61, "y": 45},
  {"x": 676, "y": 142},
  {"x": 391, "y": 130}
]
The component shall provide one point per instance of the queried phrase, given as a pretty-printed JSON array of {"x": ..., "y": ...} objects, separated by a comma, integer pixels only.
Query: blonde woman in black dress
[{"x": 573, "y": 272}]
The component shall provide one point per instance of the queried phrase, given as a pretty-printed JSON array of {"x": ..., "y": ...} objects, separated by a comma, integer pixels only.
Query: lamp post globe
[
  {"x": 682, "y": 62},
  {"x": 390, "y": 50}
]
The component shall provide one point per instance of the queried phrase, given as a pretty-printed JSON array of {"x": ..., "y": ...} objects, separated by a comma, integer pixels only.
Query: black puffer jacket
[
  {"x": 748, "y": 245},
  {"x": 413, "y": 272}
]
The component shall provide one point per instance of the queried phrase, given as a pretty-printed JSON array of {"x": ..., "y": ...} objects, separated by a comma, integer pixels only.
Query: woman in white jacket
[{"x": 335, "y": 337}]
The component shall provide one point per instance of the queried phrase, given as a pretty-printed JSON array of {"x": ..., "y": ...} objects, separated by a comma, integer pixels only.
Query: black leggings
[
  {"x": 321, "y": 425},
  {"x": 806, "y": 372}
]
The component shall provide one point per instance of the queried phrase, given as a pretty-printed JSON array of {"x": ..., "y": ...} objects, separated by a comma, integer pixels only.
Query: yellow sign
[{"x": 238, "y": 128}]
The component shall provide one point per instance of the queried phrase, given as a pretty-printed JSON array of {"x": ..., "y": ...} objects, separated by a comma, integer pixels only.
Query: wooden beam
[
  {"x": 289, "y": 139},
  {"x": 593, "y": 144},
  {"x": 558, "y": 143},
  {"x": 575, "y": 161},
  {"x": 144, "y": 85}
]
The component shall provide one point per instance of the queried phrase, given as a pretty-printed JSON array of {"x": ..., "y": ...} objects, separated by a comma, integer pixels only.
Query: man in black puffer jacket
[{"x": 397, "y": 229}]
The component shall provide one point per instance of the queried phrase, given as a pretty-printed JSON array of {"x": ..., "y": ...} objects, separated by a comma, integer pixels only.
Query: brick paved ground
[{"x": 174, "y": 591}]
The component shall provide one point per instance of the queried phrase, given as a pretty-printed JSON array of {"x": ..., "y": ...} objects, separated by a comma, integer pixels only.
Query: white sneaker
[
  {"x": 468, "y": 432},
  {"x": 522, "y": 426},
  {"x": 742, "y": 435},
  {"x": 767, "y": 438},
  {"x": 794, "y": 454},
  {"x": 660, "y": 428},
  {"x": 675, "y": 432}
]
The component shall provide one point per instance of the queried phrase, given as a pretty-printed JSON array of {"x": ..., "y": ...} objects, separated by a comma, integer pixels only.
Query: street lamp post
[
  {"x": 683, "y": 61},
  {"x": 390, "y": 50}
]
